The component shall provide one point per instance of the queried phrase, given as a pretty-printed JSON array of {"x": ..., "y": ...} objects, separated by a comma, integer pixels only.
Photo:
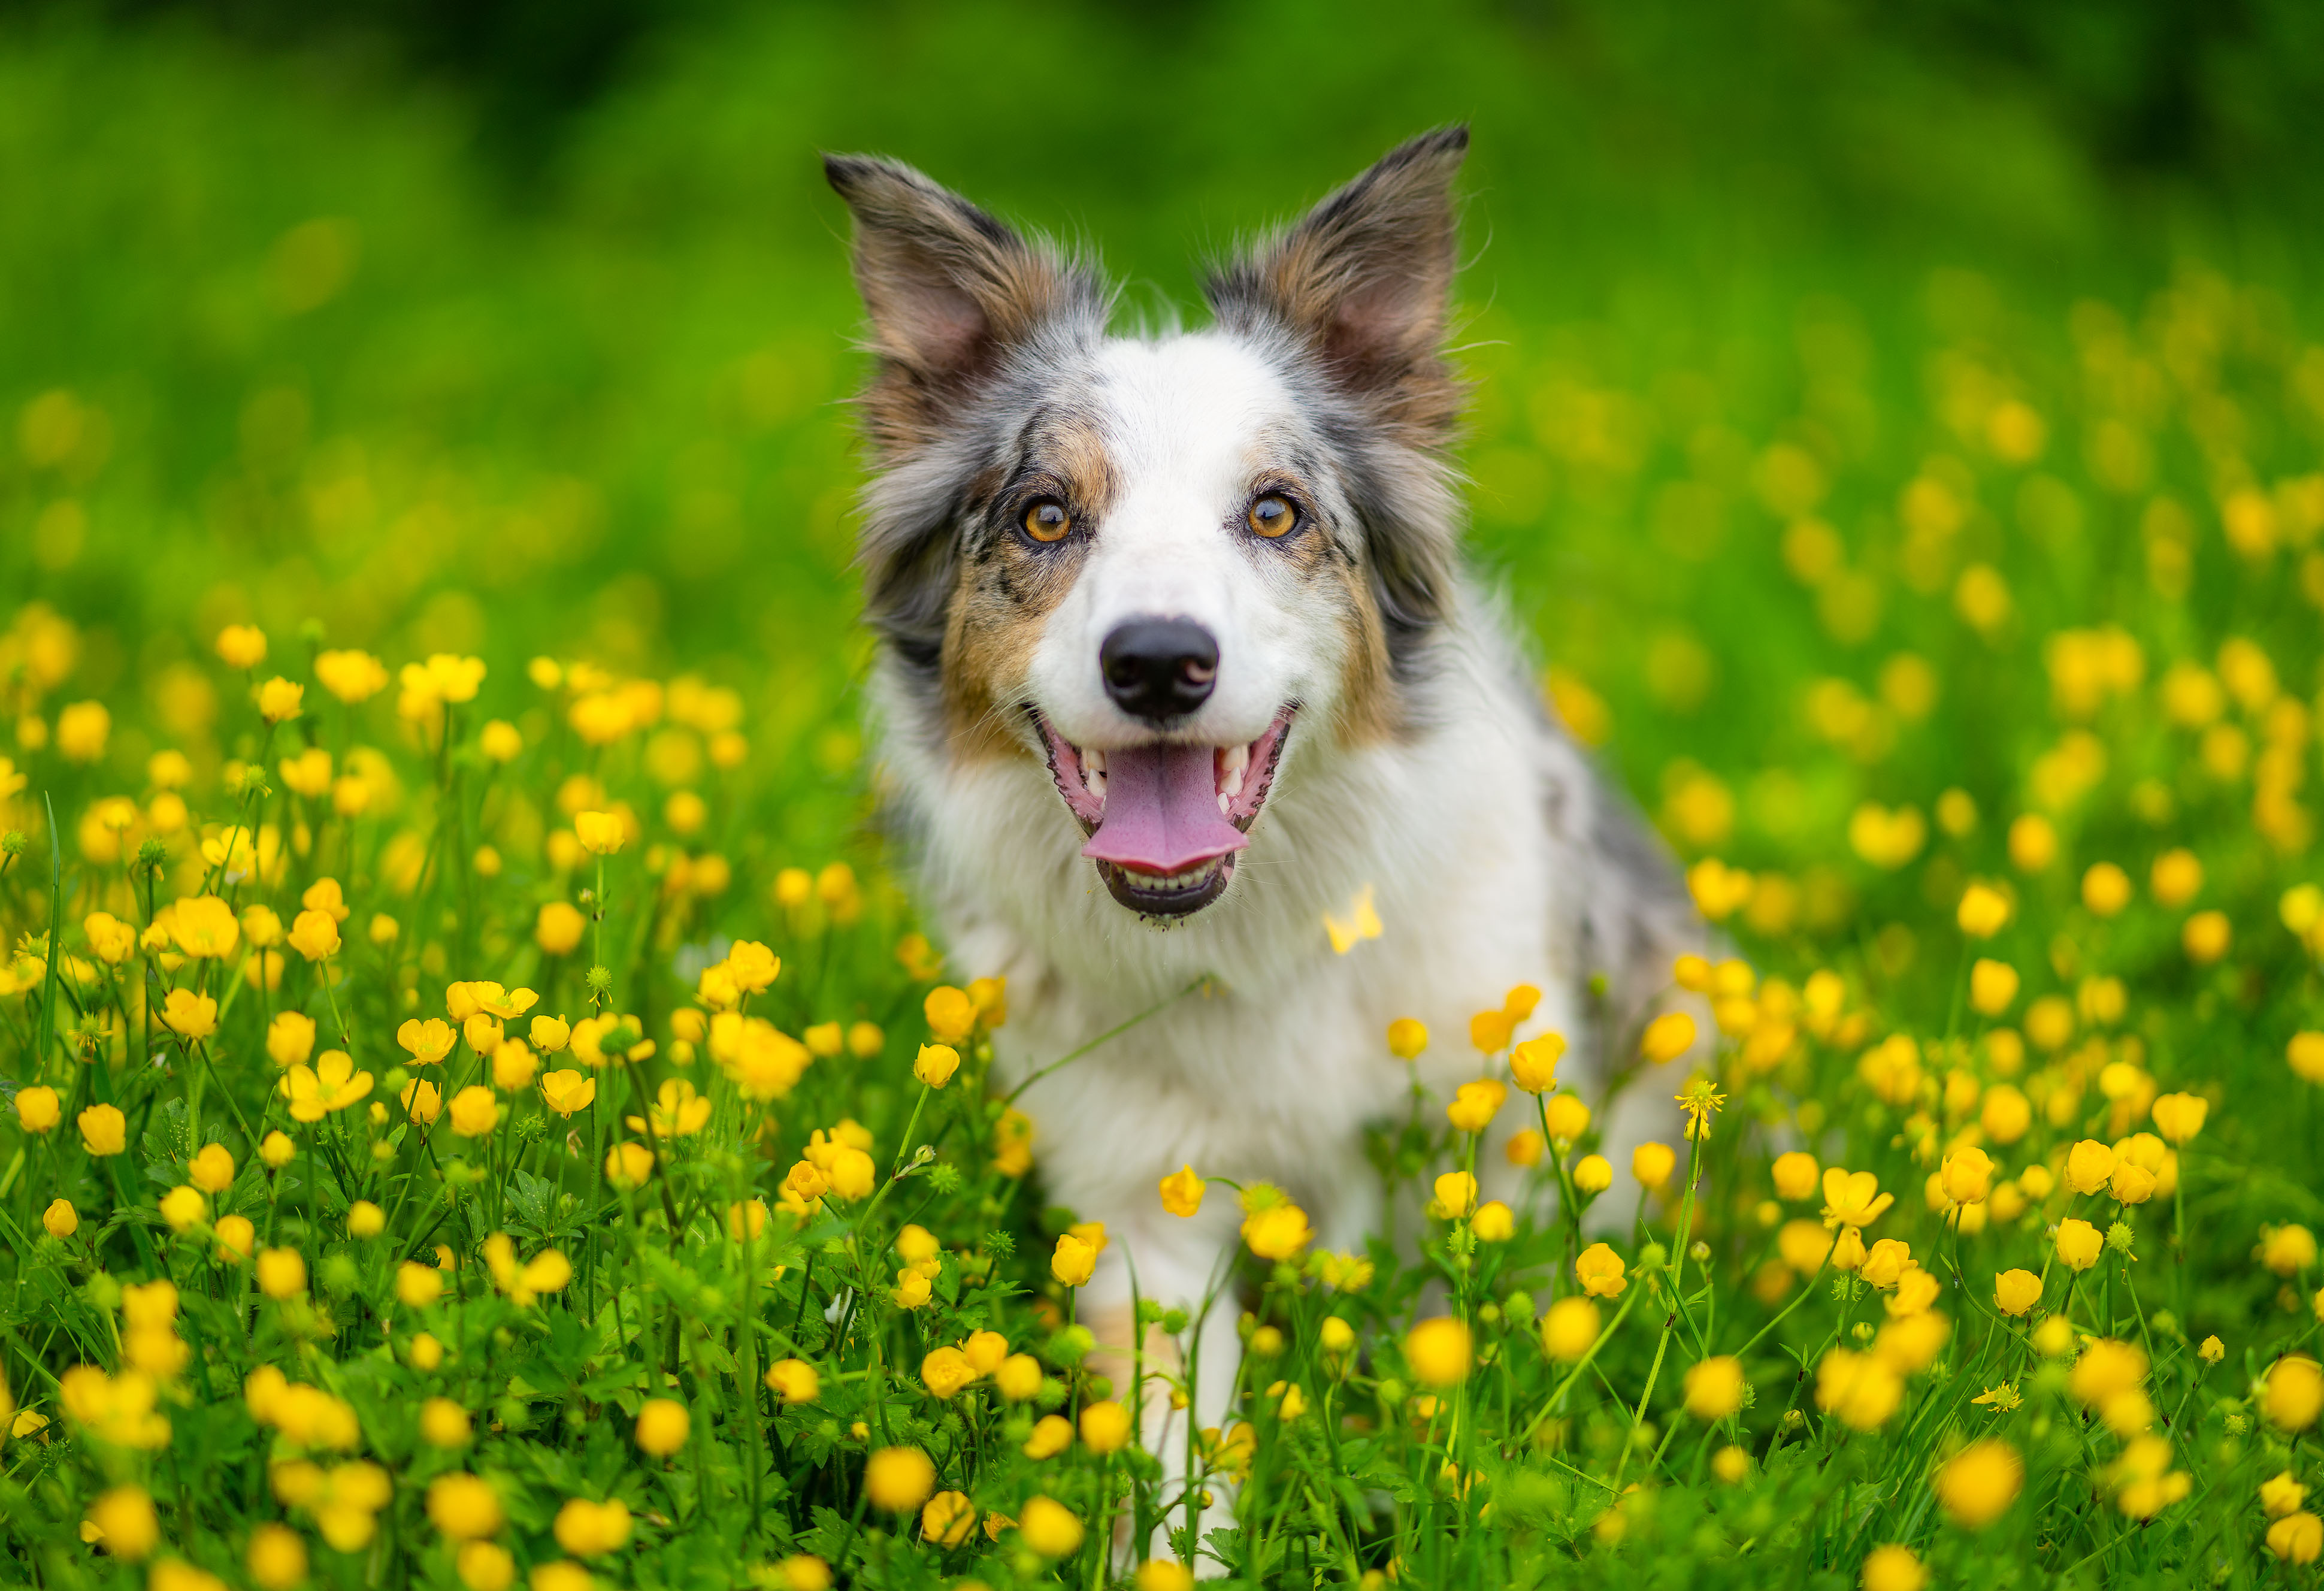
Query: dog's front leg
[{"x": 1178, "y": 1385}]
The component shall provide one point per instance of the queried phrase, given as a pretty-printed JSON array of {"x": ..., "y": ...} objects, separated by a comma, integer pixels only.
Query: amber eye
[
  {"x": 1046, "y": 520},
  {"x": 1271, "y": 515}
]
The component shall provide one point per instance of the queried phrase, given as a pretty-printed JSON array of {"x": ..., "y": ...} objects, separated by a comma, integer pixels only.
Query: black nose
[{"x": 1158, "y": 669}]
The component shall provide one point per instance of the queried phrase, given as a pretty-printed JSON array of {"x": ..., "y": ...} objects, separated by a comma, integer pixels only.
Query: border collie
[{"x": 1178, "y": 658}]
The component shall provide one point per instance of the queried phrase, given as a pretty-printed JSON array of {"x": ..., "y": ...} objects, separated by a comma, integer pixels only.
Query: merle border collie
[{"x": 1178, "y": 657}]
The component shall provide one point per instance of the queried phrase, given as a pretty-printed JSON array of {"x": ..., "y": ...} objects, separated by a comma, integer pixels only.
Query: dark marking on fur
[{"x": 957, "y": 300}]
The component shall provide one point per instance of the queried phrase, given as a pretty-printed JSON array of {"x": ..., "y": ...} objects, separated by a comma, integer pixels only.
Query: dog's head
[{"x": 1160, "y": 563}]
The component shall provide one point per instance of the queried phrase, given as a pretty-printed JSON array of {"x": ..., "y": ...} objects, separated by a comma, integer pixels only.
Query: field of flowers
[{"x": 479, "y": 1108}]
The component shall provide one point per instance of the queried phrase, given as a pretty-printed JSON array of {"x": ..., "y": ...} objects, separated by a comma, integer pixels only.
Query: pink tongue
[{"x": 1162, "y": 810}]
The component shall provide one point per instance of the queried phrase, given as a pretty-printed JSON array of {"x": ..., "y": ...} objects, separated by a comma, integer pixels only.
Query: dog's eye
[
  {"x": 1046, "y": 520},
  {"x": 1271, "y": 515}
]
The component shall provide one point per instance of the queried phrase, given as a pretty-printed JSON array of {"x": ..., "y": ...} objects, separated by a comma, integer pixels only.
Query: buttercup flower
[
  {"x": 1601, "y": 1272},
  {"x": 1534, "y": 1063},
  {"x": 192, "y": 1017},
  {"x": 1182, "y": 1192},
  {"x": 38, "y": 1110},
  {"x": 332, "y": 1084},
  {"x": 2016, "y": 1291},
  {"x": 1439, "y": 1352},
  {"x": 104, "y": 1130},
  {"x": 1853, "y": 1198}
]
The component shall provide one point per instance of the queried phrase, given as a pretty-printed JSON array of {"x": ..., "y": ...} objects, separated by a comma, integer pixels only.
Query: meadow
[{"x": 480, "y": 1107}]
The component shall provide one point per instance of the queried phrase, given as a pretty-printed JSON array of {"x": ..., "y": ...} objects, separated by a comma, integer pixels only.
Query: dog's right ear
[{"x": 948, "y": 287}]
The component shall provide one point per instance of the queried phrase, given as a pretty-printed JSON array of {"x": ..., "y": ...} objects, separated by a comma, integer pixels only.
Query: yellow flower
[
  {"x": 82, "y": 729},
  {"x": 242, "y": 646},
  {"x": 559, "y": 928},
  {"x": 1475, "y": 1104},
  {"x": 1569, "y": 1329},
  {"x": 1052, "y": 1434},
  {"x": 2004, "y": 1399},
  {"x": 423, "y": 1102},
  {"x": 936, "y": 1064},
  {"x": 794, "y": 1381},
  {"x": 1278, "y": 1233},
  {"x": 1992, "y": 986},
  {"x": 897, "y": 1480},
  {"x": 314, "y": 935},
  {"x": 1019, "y": 1379},
  {"x": 1653, "y": 1163},
  {"x": 1593, "y": 1173},
  {"x": 474, "y": 1112},
  {"x": 591, "y": 1529},
  {"x": 1977, "y": 1485},
  {"x": 277, "y": 1150},
  {"x": 1566, "y": 1116},
  {"x": 2180, "y": 1116},
  {"x": 61, "y": 1219},
  {"x": 1859, "y": 1390},
  {"x": 290, "y": 1037},
  {"x": 1984, "y": 911},
  {"x": 1700, "y": 1101},
  {"x": 1667, "y": 1037},
  {"x": 1049, "y": 1528},
  {"x": 1105, "y": 1425},
  {"x": 110, "y": 939},
  {"x": 212, "y": 1170},
  {"x": 1853, "y": 1198},
  {"x": 281, "y": 1272},
  {"x": 183, "y": 1208},
  {"x": 2297, "y": 1538},
  {"x": 951, "y": 1014},
  {"x": 1406, "y": 1038},
  {"x": 2106, "y": 889},
  {"x": 1534, "y": 1063},
  {"x": 2305, "y": 1053},
  {"x": 124, "y": 1522},
  {"x": 38, "y": 1109},
  {"x": 947, "y": 1519},
  {"x": 1439, "y": 1352},
  {"x": 2280, "y": 1496},
  {"x": 351, "y": 676},
  {"x": 276, "y": 1557},
  {"x": 465, "y": 1507},
  {"x": 677, "y": 1111},
  {"x": 2294, "y": 1394},
  {"x": 1182, "y": 1192},
  {"x": 2079, "y": 1242},
  {"x": 913, "y": 1289},
  {"x": 1494, "y": 1222},
  {"x": 2088, "y": 1165},
  {"x": 2287, "y": 1250},
  {"x": 661, "y": 1428},
  {"x": 104, "y": 1130},
  {"x": 1967, "y": 1176},
  {"x": 192, "y": 1017},
  {"x": 1073, "y": 1262},
  {"x": 1804, "y": 1245},
  {"x": 1456, "y": 1195},
  {"x": 601, "y": 834},
  {"x": 279, "y": 699},
  {"x": 1795, "y": 1175},
  {"x": 1894, "y": 1568},
  {"x": 565, "y": 1091},
  {"x": 2016, "y": 1291},
  {"x": 1601, "y": 1272},
  {"x": 1883, "y": 1264},
  {"x": 332, "y": 1084},
  {"x": 1714, "y": 1388},
  {"x": 945, "y": 1372},
  {"x": 417, "y": 1286}
]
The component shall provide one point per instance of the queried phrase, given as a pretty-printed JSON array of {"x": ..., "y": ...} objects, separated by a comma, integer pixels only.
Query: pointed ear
[
  {"x": 948, "y": 289},
  {"x": 1366, "y": 279}
]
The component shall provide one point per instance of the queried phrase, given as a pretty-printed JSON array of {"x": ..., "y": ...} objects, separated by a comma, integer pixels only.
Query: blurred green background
[{"x": 526, "y": 329}]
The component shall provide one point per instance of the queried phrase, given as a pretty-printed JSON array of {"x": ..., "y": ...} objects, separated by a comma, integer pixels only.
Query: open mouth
[{"x": 1165, "y": 819}]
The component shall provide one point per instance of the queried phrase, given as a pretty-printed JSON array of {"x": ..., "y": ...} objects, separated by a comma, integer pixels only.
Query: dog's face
[{"x": 1160, "y": 565}]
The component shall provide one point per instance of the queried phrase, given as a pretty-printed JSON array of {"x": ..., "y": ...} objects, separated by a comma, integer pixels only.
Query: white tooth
[
  {"x": 1094, "y": 761},
  {"x": 1235, "y": 764},
  {"x": 1096, "y": 783},
  {"x": 1226, "y": 803}
]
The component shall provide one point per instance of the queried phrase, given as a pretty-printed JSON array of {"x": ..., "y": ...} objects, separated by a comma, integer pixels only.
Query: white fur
[{"x": 1274, "y": 1072}]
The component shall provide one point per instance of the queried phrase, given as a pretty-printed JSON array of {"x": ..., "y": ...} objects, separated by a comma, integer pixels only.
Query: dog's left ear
[{"x": 1366, "y": 280}]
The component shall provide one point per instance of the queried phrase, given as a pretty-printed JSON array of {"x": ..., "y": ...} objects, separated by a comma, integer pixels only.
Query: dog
[{"x": 1177, "y": 659}]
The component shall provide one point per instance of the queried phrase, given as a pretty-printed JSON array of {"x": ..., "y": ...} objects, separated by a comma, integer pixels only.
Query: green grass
[{"x": 1758, "y": 317}]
